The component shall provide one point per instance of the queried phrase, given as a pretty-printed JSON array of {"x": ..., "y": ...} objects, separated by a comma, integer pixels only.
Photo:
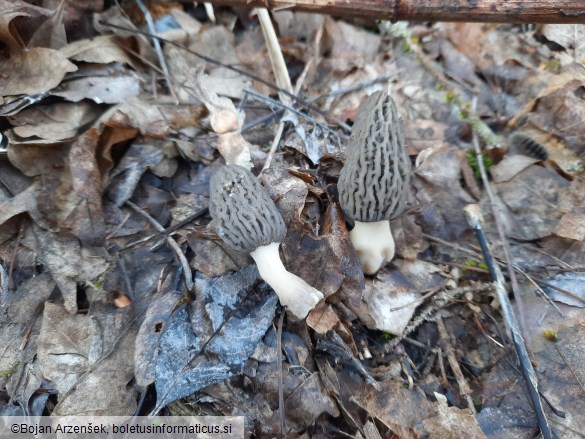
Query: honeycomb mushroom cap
[
  {"x": 377, "y": 170},
  {"x": 245, "y": 215}
]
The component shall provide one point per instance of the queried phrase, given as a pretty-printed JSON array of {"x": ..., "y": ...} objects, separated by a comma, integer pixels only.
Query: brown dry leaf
[
  {"x": 11, "y": 9},
  {"x": 29, "y": 296},
  {"x": 350, "y": 43},
  {"x": 469, "y": 39},
  {"x": 68, "y": 263},
  {"x": 67, "y": 189},
  {"x": 301, "y": 26},
  {"x": 137, "y": 43},
  {"x": 398, "y": 408},
  {"x": 151, "y": 120},
  {"x": 569, "y": 36},
  {"x": 59, "y": 121},
  {"x": 510, "y": 166},
  {"x": 33, "y": 71},
  {"x": 313, "y": 260},
  {"x": 507, "y": 412},
  {"x": 558, "y": 113},
  {"x": 421, "y": 134},
  {"x": 51, "y": 33},
  {"x": 223, "y": 117},
  {"x": 86, "y": 182},
  {"x": 251, "y": 52},
  {"x": 486, "y": 44},
  {"x": 457, "y": 64},
  {"x": 189, "y": 27},
  {"x": 450, "y": 423},
  {"x": 572, "y": 225},
  {"x": 531, "y": 202},
  {"x": 218, "y": 43},
  {"x": 106, "y": 89},
  {"x": 408, "y": 237},
  {"x": 323, "y": 318},
  {"x": 25, "y": 201},
  {"x": 102, "y": 49},
  {"x": 305, "y": 396},
  {"x": 572, "y": 204},
  {"x": 71, "y": 345},
  {"x": 308, "y": 401}
]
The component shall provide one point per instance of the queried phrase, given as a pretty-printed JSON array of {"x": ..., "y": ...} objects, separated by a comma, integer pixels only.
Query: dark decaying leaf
[
  {"x": 215, "y": 341},
  {"x": 328, "y": 262},
  {"x": 148, "y": 338},
  {"x": 126, "y": 175},
  {"x": 440, "y": 195}
]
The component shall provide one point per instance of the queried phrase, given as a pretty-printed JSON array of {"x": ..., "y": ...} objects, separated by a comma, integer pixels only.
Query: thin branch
[
  {"x": 157, "y": 48},
  {"x": 473, "y": 215},
  {"x": 172, "y": 243},
  {"x": 461, "y": 382},
  {"x": 256, "y": 78},
  {"x": 280, "y": 375},
  {"x": 484, "y": 11}
]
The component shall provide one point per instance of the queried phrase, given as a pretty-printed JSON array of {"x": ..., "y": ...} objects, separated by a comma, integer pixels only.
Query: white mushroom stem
[
  {"x": 294, "y": 293},
  {"x": 374, "y": 244}
]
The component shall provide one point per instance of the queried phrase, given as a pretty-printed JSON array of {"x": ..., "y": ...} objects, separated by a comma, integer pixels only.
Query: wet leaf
[{"x": 195, "y": 355}]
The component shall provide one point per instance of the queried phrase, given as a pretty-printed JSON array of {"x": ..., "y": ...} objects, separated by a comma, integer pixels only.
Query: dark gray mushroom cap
[
  {"x": 245, "y": 215},
  {"x": 377, "y": 170}
]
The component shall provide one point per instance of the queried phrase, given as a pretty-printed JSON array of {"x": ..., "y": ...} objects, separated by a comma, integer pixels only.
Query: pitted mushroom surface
[
  {"x": 374, "y": 178},
  {"x": 247, "y": 220}
]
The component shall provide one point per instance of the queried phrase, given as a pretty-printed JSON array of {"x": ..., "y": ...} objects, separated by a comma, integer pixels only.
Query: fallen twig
[
  {"x": 463, "y": 386},
  {"x": 280, "y": 374},
  {"x": 157, "y": 48},
  {"x": 488, "y": 11},
  {"x": 473, "y": 215},
  {"x": 172, "y": 243}
]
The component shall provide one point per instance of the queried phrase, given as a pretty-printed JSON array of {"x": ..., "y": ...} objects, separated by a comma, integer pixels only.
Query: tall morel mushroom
[
  {"x": 373, "y": 180},
  {"x": 248, "y": 221}
]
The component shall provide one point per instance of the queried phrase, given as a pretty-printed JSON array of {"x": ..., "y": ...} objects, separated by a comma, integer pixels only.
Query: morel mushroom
[
  {"x": 373, "y": 180},
  {"x": 247, "y": 220}
]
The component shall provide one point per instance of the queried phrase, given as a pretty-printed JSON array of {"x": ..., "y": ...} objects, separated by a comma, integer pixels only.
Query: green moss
[
  {"x": 9, "y": 372},
  {"x": 386, "y": 336},
  {"x": 553, "y": 66},
  {"x": 472, "y": 160},
  {"x": 470, "y": 263}
]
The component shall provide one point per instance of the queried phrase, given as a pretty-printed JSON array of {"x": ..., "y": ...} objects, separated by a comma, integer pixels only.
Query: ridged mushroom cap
[
  {"x": 245, "y": 215},
  {"x": 377, "y": 170}
]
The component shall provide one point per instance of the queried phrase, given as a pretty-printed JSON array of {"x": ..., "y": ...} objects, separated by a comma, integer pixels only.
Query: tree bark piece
[{"x": 489, "y": 11}]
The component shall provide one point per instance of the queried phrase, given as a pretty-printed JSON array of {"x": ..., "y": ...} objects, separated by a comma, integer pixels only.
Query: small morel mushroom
[
  {"x": 373, "y": 180},
  {"x": 248, "y": 221}
]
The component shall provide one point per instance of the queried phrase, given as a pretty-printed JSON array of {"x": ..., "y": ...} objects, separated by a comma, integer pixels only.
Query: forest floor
[{"x": 118, "y": 297}]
